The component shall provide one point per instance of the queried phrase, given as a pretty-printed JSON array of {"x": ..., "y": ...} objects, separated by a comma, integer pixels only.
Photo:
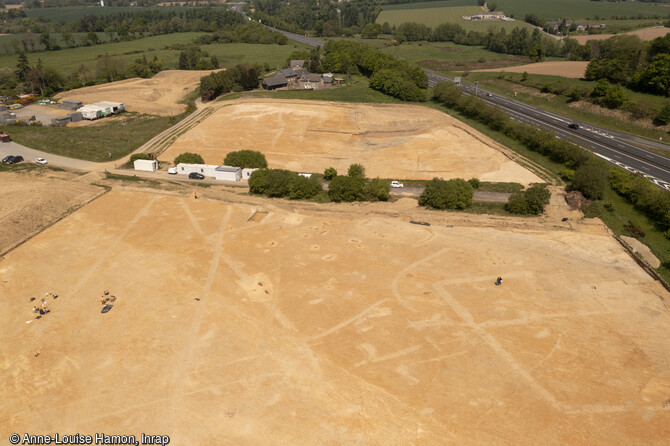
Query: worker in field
[
  {"x": 103, "y": 300},
  {"x": 195, "y": 195}
]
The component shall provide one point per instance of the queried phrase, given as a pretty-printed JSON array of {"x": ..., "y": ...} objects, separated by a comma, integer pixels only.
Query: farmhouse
[{"x": 488, "y": 15}]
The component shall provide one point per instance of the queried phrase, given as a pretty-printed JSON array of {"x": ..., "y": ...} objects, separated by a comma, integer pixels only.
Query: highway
[{"x": 630, "y": 152}]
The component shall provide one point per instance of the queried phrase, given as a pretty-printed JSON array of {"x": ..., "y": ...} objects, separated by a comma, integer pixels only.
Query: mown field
[
  {"x": 66, "y": 60},
  {"x": 579, "y": 9}
]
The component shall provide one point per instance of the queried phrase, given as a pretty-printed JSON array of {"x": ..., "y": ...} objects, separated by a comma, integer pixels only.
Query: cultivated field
[
  {"x": 644, "y": 34},
  {"x": 391, "y": 141},
  {"x": 571, "y": 69},
  {"x": 158, "y": 95},
  {"x": 338, "y": 324}
]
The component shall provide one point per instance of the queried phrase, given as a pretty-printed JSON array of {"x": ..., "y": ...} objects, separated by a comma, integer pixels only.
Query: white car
[
  {"x": 41, "y": 161},
  {"x": 172, "y": 170},
  {"x": 396, "y": 184}
]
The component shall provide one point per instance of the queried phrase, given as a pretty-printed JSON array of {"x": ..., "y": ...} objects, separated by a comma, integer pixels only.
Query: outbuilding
[
  {"x": 90, "y": 113},
  {"x": 146, "y": 165},
  {"x": 246, "y": 173},
  {"x": 228, "y": 173}
]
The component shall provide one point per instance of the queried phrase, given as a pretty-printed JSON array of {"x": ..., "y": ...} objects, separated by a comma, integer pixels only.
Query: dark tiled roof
[
  {"x": 309, "y": 77},
  {"x": 288, "y": 72},
  {"x": 297, "y": 63},
  {"x": 279, "y": 79}
]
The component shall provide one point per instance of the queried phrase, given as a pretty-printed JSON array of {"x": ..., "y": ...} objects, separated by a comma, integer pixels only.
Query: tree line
[{"x": 393, "y": 77}]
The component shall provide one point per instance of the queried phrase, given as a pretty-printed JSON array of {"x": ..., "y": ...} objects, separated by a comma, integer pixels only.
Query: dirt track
[
  {"x": 331, "y": 324},
  {"x": 570, "y": 69},
  {"x": 159, "y": 95},
  {"x": 391, "y": 141}
]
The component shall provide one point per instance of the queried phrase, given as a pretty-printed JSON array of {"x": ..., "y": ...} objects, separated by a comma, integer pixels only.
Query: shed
[
  {"x": 90, "y": 113},
  {"x": 114, "y": 107},
  {"x": 70, "y": 105},
  {"x": 63, "y": 120},
  {"x": 228, "y": 173},
  {"x": 75, "y": 117},
  {"x": 328, "y": 78},
  {"x": 146, "y": 165},
  {"x": 273, "y": 83}
]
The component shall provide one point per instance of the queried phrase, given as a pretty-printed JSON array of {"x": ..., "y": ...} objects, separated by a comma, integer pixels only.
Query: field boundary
[
  {"x": 645, "y": 266},
  {"x": 47, "y": 226}
]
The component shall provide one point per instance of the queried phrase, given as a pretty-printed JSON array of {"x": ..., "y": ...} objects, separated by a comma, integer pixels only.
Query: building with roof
[{"x": 272, "y": 83}]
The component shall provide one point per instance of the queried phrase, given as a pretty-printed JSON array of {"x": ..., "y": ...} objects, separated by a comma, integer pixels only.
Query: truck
[{"x": 4, "y": 137}]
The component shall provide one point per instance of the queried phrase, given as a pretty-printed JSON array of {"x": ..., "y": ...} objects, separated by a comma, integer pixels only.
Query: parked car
[
  {"x": 4, "y": 137},
  {"x": 41, "y": 161},
  {"x": 12, "y": 159},
  {"x": 196, "y": 176},
  {"x": 172, "y": 170},
  {"x": 573, "y": 126},
  {"x": 396, "y": 184}
]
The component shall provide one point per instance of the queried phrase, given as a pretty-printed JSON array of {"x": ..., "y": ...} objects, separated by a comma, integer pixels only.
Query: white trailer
[
  {"x": 114, "y": 107},
  {"x": 246, "y": 173},
  {"x": 227, "y": 173},
  {"x": 90, "y": 113},
  {"x": 146, "y": 165}
]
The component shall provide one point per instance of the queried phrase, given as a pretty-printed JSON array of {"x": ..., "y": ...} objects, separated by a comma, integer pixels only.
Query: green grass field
[
  {"x": 228, "y": 54},
  {"x": 92, "y": 143},
  {"x": 435, "y": 13},
  {"x": 75, "y": 13},
  {"x": 579, "y": 9}
]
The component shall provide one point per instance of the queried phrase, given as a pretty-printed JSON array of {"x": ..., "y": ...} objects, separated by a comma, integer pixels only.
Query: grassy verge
[
  {"x": 355, "y": 91},
  {"x": 93, "y": 143},
  {"x": 618, "y": 214},
  {"x": 508, "y": 83}
]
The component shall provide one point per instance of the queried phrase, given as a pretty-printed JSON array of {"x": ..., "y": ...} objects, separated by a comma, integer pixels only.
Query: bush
[
  {"x": 447, "y": 93},
  {"x": 377, "y": 190},
  {"x": 139, "y": 156},
  {"x": 452, "y": 194},
  {"x": 279, "y": 182},
  {"x": 189, "y": 158},
  {"x": 634, "y": 229},
  {"x": 474, "y": 182},
  {"x": 591, "y": 179},
  {"x": 258, "y": 181},
  {"x": 663, "y": 116},
  {"x": 346, "y": 189},
  {"x": 356, "y": 171},
  {"x": 246, "y": 159},
  {"x": 530, "y": 202},
  {"x": 303, "y": 188},
  {"x": 330, "y": 173}
]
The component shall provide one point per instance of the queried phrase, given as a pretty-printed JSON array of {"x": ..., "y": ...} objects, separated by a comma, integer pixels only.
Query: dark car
[
  {"x": 196, "y": 176},
  {"x": 573, "y": 126},
  {"x": 7, "y": 159},
  {"x": 15, "y": 159}
]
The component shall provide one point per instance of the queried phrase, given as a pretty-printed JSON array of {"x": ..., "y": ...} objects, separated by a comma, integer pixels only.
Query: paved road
[{"x": 489, "y": 197}]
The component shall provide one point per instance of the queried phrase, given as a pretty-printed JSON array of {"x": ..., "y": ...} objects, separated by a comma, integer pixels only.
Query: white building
[
  {"x": 246, "y": 173},
  {"x": 146, "y": 165},
  {"x": 227, "y": 173},
  {"x": 114, "y": 107}
]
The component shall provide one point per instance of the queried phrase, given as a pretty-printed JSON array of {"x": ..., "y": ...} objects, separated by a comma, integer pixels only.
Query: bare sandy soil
[
  {"x": 644, "y": 34},
  {"x": 30, "y": 201},
  {"x": 571, "y": 69},
  {"x": 391, "y": 141},
  {"x": 330, "y": 325},
  {"x": 156, "y": 96}
]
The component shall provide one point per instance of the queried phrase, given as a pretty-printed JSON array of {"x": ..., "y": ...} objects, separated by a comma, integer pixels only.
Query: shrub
[
  {"x": 452, "y": 194},
  {"x": 591, "y": 179},
  {"x": 356, "y": 171},
  {"x": 330, "y": 173},
  {"x": 279, "y": 182},
  {"x": 139, "y": 156},
  {"x": 474, "y": 182},
  {"x": 189, "y": 158},
  {"x": 246, "y": 159},
  {"x": 663, "y": 116},
  {"x": 303, "y": 188},
  {"x": 377, "y": 190},
  {"x": 634, "y": 229},
  {"x": 258, "y": 181},
  {"x": 530, "y": 202},
  {"x": 447, "y": 93},
  {"x": 346, "y": 189}
]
